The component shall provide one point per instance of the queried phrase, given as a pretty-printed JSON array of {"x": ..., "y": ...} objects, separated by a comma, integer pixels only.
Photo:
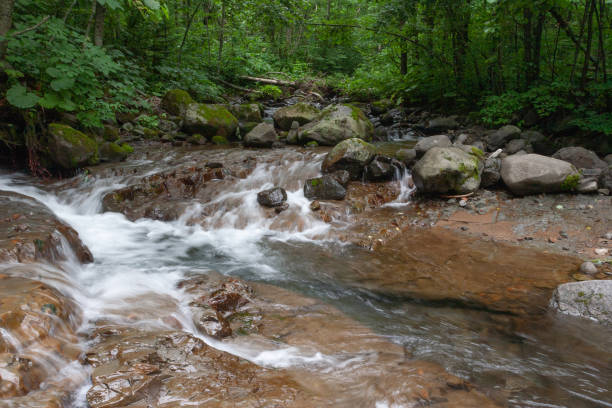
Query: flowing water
[{"x": 139, "y": 263}]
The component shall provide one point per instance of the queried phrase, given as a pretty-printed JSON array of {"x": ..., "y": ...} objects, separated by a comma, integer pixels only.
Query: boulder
[
  {"x": 533, "y": 136},
  {"x": 263, "y": 135},
  {"x": 274, "y": 197},
  {"x": 589, "y": 299},
  {"x": 605, "y": 180},
  {"x": 338, "y": 123},
  {"x": 70, "y": 149},
  {"x": 427, "y": 143},
  {"x": 491, "y": 174},
  {"x": 608, "y": 159},
  {"x": 300, "y": 112},
  {"x": 209, "y": 120},
  {"x": 515, "y": 146},
  {"x": 442, "y": 124},
  {"x": 292, "y": 135},
  {"x": 324, "y": 188},
  {"x": 113, "y": 152},
  {"x": 382, "y": 168},
  {"x": 249, "y": 112},
  {"x": 176, "y": 102},
  {"x": 535, "y": 174},
  {"x": 581, "y": 158},
  {"x": 448, "y": 170},
  {"x": 406, "y": 156},
  {"x": 502, "y": 136},
  {"x": 351, "y": 155}
]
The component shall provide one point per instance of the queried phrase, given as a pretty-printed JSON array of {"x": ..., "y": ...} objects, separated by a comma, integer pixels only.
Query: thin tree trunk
[
  {"x": 328, "y": 9},
  {"x": 180, "y": 52},
  {"x": 91, "y": 18},
  {"x": 6, "y": 20},
  {"x": 99, "y": 25},
  {"x": 221, "y": 37},
  {"x": 587, "y": 54}
]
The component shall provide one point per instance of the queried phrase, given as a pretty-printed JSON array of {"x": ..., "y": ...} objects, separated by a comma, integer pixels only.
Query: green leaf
[
  {"x": 151, "y": 4},
  {"x": 50, "y": 100},
  {"x": 62, "y": 83},
  {"x": 54, "y": 72},
  {"x": 19, "y": 97},
  {"x": 67, "y": 105}
]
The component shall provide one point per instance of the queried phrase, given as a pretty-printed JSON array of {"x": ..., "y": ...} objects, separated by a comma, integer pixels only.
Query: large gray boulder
[
  {"x": 581, "y": 158},
  {"x": 69, "y": 148},
  {"x": 502, "y": 136},
  {"x": 430, "y": 142},
  {"x": 302, "y": 113},
  {"x": 447, "y": 170},
  {"x": 263, "y": 135},
  {"x": 589, "y": 299},
  {"x": 351, "y": 155},
  {"x": 535, "y": 174},
  {"x": 209, "y": 120},
  {"x": 324, "y": 188},
  {"x": 337, "y": 123}
]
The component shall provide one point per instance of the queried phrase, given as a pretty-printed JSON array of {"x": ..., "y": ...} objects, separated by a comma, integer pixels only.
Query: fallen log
[{"x": 269, "y": 81}]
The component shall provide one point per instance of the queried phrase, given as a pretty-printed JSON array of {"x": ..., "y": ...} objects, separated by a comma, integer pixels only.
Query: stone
[
  {"x": 533, "y": 136},
  {"x": 69, "y": 148},
  {"x": 263, "y": 135},
  {"x": 608, "y": 159},
  {"x": 381, "y": 106},
  {"x": 406, "y": 156},
  {"x": 342, "y": 176},
  {"x": 608, "y": 235},
  {"x": 273, "y": 197},
  {"x": 581, "y": 158},
  {"x": 587, "y": 186},
  {"x": 589, "y": 299},
  {"x": 209, "y": 120},
  {"x": 461, "y": 139},
  {"x": 427, "y": 143},
  {"x": 442, "y": 124},
  {"x": 351, "y": 155},
  {"x": 589, "y": 268},
  {"x": 605, "y": 180},
  {"x": 444, "y": 170},
  {"x": 382, "y": 168},
  {"x": 113, "y": 152},
  {"x": 337, "y": 123},
  {"x": 292, "y": 136},
  {"x": 502, "y": 136},
  {"x": 302, "y": 113},
  {"x": 315, "y": 206},
  {"x": 248, "y": 113},
  {"x": 176, "y": 102},
  {"x": 535, "y": 174},
  {"x": 491, "y": 174},
  {"x": 324, "y": 188},
  {"x": 515, "y": 145}
]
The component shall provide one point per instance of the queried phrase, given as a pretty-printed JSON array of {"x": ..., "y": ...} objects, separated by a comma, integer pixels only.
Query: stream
[{"x": 138, "y": 265}]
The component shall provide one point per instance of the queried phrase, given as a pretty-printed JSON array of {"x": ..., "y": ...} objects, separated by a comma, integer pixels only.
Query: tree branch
[
  {"x": 568, "y": 31},
  {"x": 34, "y": 27}
]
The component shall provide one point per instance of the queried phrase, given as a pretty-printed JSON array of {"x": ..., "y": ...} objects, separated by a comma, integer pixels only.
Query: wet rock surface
[
  {"x": 30, "y": 232},
  {"x": 589, "y": 300}
]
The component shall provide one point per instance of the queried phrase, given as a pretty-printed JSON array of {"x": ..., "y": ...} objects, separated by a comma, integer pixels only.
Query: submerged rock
[
  {"x": 535, "y": 174},
  {"x": 302, "y": 113},
  {"x": 589, "y": 299},
  {"x": 324, "y": 188},
  {"x": 274, "y": 197},
  {"x": 351, "y": 155},
  {"x": 447, "y": 170},
  {"x": 263, "y": 135},
  {"x": 69, "y": 148},
  {"x": 337, "y": 123}
]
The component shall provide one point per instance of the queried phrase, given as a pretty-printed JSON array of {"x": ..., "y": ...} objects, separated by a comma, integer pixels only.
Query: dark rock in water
[
  {"x": 502, "y": 136},
  {"x": 315, "y": 206},
  {"x": 263, "y": 135},
  {"x": 214, "y": 165},
  {"x": 281, "y": 208},
  {"x": 324, "y": 188},
  {"x": 491, "y": 174},
  {"x": 427, "y": 143},
  {"x": 382, "y": 168},
  {"x": 581, "y": 158},
  {"x": 341, "y": 176},
  {"x": 273, "y": 197},
  {"x": 70, "y": 148},
  {"x": 351, "y": 155}
]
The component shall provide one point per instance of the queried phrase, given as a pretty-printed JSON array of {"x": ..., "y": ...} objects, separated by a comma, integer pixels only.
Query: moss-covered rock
[
  {"x": 381, "y": 106},
  {"x": 246, "y": 127},
  {"x": 337, "y": 123},
  {"x": 110, "y": 133},
  {"x": 69, "y": 148},
  {"x": 263, "y": 135},
  {"x": 209, "y": 120},
  {"x": 249, "y": 112},
  {"x": 176, "y": 101},
  {"x": 219, "y": 140},
  {"x": 448, "y": 170},
  {"x": 113, "y": 152},
  {"x": 302, "y": 113},
  {"x": 198, "y": 139},
  {"x": 351, "y": 155}
]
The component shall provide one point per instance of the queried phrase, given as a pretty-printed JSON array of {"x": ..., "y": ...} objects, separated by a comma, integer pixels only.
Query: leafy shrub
[{"x": 270, "y": 91}]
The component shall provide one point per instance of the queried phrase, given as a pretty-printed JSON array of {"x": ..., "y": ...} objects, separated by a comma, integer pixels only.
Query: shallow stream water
[{"x": 552, "y": 363}]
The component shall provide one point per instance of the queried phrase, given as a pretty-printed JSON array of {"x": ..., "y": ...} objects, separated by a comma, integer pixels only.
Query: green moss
[
  {"x": 356, "y": 113},
  {"x": 315, "y": 182},
  {"x": 219, "y": 140},
  {"x": 127, "y": 148},
  {"x": 571, "y": 182},
  {"x": 176, "y": 100},
  {"x": 312, "y": 143},
  {"x": 477, "y": 152}
]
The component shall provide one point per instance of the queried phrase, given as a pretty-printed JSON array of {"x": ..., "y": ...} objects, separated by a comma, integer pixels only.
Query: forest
[{"x": 544, "y": 62}]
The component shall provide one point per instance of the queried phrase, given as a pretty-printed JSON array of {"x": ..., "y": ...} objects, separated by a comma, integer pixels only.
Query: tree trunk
[
  {"x": 404, "y": 61},
  {"x": 532, "y": 46},
  {"x": 587, "y": 53},
  {"x": 6, "y": 20},
  {"x": 90, "y": 19},
  {"x": 99, "y": 25},
  {"x": 221, "y": 37}
]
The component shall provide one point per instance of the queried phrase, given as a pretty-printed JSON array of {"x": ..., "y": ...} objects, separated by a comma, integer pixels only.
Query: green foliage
[
  {"x": 571, "y": 182},
  {"x": 148, "y": 121},
  {"x": 270, "y": 92}
]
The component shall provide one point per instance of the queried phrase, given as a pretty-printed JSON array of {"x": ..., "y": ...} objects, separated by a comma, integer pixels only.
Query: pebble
[
  {"x": 563, "y": 234},
  {"x": 463, "y": 203},
  {"x": 608, "y": 235},
  {"x": 601, "y": 251},
  {"x": 589, "y": 268}
]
